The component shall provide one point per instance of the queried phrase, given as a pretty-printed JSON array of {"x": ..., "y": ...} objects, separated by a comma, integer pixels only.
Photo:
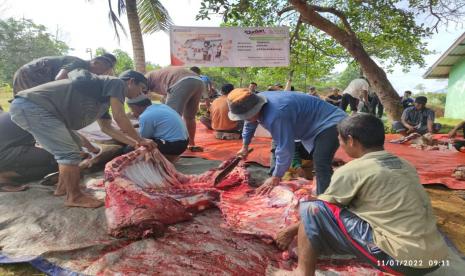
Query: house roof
[{"x": 441, "y": 68}]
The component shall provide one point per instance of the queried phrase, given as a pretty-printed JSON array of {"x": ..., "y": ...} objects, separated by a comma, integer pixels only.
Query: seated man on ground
[
  {"x": 47, "y": 69},
  {"x": 459, "y": 144},
  {"x": 253, "y": 88},
  {"x": 334, "y": 98},
  {"x": 417, "y": 119},
  {"x": 312, "y": 92},
  {"x": 460, "y": 126},
  {"x": 20, "y": 159},
  {"x": 375, "y": 208},
  {"x": 406, "y": 100},
  {"x": 223, "y": 126},
  {"x": 52, "y": 112},
  {"x": 162, "y": 124}
]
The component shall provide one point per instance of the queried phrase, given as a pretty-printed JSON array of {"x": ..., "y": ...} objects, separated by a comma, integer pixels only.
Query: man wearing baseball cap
[
  {"x": 52, "y": 112},
  {"x": 289, "y": 116}
]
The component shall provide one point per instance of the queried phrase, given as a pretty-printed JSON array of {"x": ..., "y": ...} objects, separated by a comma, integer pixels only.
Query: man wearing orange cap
[{"x": 289, "y": 116}]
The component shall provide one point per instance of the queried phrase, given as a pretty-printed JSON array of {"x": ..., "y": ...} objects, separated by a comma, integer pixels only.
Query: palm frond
[
  {"x": 114, "y": 19},
  {"x": 153, "y": 16}
]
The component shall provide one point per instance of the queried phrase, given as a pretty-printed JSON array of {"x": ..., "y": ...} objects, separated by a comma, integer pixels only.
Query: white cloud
[{"x": 85, "y": 24}]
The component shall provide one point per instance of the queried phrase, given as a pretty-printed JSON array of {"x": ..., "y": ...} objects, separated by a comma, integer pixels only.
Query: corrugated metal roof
[{"x": 441, "y": 68}]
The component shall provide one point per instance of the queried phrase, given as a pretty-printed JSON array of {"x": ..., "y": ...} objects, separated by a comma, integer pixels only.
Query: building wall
[{"x": 455, "y": 101}]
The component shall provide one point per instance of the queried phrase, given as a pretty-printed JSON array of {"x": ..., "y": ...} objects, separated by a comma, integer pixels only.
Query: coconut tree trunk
[
  {"x": 348, "y": 39},
  {"x": 136, "y": 35}
]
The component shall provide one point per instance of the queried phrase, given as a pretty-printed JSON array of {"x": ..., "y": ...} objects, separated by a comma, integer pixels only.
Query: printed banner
[{"x": 229, "y": 46}]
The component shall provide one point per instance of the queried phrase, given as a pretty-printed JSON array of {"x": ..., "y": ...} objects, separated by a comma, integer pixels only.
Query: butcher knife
[{"x": 228, "y": 169}]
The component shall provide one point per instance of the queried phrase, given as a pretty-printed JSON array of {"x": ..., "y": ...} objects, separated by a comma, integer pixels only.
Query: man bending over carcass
[
  {"x": 289, "y": 116},
  {"x": 375, "y": 208},
  {"x": 52, "y": 112}
]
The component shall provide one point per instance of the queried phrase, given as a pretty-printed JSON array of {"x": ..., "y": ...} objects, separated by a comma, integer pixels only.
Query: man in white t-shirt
[{"x": 355, "y": 91}]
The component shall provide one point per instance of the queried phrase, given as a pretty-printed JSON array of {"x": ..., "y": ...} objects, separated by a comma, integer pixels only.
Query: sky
[{"x": 84, "y": 25}]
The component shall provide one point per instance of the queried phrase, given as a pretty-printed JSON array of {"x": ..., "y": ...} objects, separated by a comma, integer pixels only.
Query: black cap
[
  {"x": 107, "y": 58},
  {"x": 131, "y": 74},
  {"x": 110, "y": 57},
  {"x": 196, "y": 70},
  {"x": 421, "y": 100}
]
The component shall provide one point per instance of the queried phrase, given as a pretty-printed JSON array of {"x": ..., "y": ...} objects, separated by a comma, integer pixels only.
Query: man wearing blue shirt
[
  {"x": 162, "y": 124},
  {"x": 289, "y": 116}
]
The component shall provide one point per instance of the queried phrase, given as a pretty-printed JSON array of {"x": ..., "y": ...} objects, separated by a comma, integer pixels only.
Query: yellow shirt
[{"x": 385, "y": 191}]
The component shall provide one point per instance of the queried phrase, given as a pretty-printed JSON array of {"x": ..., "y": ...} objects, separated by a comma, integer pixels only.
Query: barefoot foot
[
  {"x": 84, "y": 201},
  {"x": 286, "y": 236},
  {"x": 60, "y": 190},
  {"x": 273, "y": 271}
]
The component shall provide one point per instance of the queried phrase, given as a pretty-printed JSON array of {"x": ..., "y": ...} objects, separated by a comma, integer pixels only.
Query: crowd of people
[{"x": 373, "y": 207}]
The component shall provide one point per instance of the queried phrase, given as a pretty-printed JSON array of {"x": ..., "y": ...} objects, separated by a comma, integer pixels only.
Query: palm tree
[{"x": 144, "y": 17}]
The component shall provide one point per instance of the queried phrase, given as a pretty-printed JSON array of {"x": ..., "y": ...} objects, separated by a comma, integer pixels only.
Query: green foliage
[
  {"x": 434, "y": 99},
  {"x": 22, "y": 41},
  {"x": 6, "y": 93},
  {"x": 151, "y": 66},
  {"x": 387, "y": 29},
  {"x": 153, "y": 16},
  {"x": 123, "y": 60}
]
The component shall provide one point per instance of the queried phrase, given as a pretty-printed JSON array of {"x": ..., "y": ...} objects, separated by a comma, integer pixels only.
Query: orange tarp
[{"x": 434, "y": 167}]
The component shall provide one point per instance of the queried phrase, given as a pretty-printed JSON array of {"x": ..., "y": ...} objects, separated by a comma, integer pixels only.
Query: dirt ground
[{"x": 449, "y": 208}]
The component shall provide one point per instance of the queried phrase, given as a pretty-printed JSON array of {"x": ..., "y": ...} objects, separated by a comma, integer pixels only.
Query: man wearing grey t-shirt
[{"x": 52, "y": 112}]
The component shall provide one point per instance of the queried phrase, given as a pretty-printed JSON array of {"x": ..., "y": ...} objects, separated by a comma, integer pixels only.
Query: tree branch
[
  {"x": 320, "y": 49},
  {"x": 286, "y": 9},
  {"x": 295, "y": 35},
  {"x": 435, "y": 26},
  {"x": 337, "y": 13}
]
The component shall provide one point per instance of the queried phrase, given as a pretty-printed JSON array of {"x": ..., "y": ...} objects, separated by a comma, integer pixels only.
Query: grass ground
[
  {"x": 19, "y": 270},
  {"x": 4, "y": 97}
]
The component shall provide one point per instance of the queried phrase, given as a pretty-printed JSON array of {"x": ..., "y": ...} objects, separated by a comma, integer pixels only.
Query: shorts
[
  {"x": 166, "y": 148},
  {"x": 50, "y": 132},
  {"x": 171, "y": 148},
  {"x": 185, "y": 96},
  {"x": 335, "y": 230}
]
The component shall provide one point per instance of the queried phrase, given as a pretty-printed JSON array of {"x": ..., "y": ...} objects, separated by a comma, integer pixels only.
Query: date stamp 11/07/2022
[{"x": 414, "y": 263}]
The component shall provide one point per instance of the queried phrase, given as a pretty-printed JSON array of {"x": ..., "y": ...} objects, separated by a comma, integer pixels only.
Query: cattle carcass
[{"x": 144, "y": 193}]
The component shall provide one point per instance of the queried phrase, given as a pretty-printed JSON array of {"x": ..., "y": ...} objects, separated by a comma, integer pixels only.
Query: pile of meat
[
  {"x": 145, "y": 194},
  {"x": 424, "y": 142}
]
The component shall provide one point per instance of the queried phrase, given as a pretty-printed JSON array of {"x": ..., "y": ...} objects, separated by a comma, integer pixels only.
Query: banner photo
[{"x": 229, "y": 46}]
